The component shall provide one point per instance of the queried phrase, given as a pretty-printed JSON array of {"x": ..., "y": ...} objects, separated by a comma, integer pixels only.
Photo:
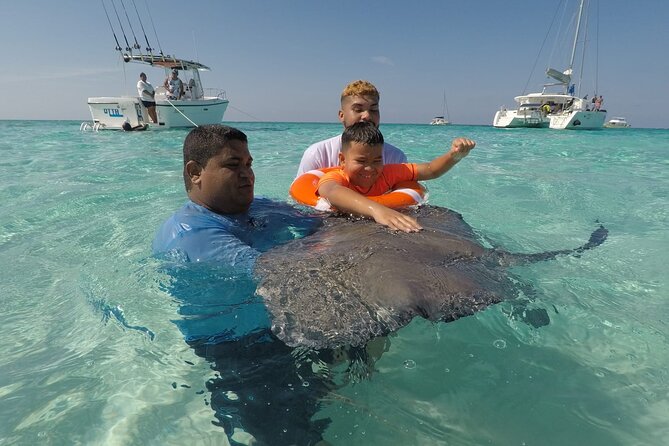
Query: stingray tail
[{"x": 597, "y": 237}]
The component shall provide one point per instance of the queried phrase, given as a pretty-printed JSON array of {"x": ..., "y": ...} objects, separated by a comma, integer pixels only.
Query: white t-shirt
[
  {"x": 175, "y": 88},
  {"x": 141, "y": 86},
  {"x": 326, "y": 154}
]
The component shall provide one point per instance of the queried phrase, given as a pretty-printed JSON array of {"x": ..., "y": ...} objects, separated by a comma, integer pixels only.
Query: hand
[
  {"x": 396, "y": 220},
  {"x": 460, "y": 147}
]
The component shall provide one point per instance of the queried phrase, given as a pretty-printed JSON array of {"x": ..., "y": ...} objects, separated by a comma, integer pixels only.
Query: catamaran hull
[
  {"x": 578, "y": 120},
  {"x": 511, "y": 119},
  {"x": 190, "y": 113}
]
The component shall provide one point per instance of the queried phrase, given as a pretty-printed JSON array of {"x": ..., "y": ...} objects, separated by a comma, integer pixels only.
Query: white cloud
[{"x": 383, "y": 60}]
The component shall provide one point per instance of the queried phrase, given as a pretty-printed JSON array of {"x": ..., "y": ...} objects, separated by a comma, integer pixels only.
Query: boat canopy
[
  {"x": 543, "y": 98},
  {"x": 167, "y": 62},
  {"x": 564, "y": 78}
]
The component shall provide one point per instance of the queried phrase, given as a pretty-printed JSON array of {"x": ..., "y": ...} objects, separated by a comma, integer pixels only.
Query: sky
[{"x": 288, "y": 60}]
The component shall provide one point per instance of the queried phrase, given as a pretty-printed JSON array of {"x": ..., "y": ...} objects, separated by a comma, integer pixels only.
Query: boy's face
[
  {"x": 359, "y": 108},
  {"x": 362, "y": 163},
  {"x": 225, "y": 184}
]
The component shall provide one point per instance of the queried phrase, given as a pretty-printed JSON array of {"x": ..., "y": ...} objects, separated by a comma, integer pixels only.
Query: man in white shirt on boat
[
  {"x": 174, "y": 86},
  {"x": 359, "y": 102},
  {"x": 147, "y": 94}
]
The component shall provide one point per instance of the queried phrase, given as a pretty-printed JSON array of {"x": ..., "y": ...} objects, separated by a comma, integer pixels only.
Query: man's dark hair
[
  {"x": 361, "y": 132},
  {"x": 207, "y": 141}
]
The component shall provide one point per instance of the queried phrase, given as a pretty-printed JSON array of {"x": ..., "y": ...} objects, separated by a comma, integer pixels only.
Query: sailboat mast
[
  {"x": 444, "y": 111},
  {"x": 578, "y": 28}
]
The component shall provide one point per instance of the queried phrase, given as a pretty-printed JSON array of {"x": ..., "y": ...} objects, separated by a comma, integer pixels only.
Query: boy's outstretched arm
[
  {"x": 347, "y": 200},
  {"x": 460, "y": 148}
]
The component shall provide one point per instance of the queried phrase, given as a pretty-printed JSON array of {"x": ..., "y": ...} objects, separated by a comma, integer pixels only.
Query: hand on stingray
[{"x": 395, "y": 220}]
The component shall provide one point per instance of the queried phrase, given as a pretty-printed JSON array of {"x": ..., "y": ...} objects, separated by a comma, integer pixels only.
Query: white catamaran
[
  {"x": 563, "y": 109},
  {"x": 196, "y": 107}
]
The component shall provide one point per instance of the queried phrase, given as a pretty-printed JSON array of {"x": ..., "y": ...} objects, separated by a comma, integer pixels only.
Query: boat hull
[
  {"x": 112, "y": 112},
  {"x": 189, "y": 113},
  {"x": 577, "y": 120},
  {"x": 617, "y": 123},
  {"x": 512, "y": 119}
]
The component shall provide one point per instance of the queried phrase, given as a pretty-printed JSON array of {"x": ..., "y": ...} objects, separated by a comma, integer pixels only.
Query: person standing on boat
[
  {"x": 359, "y": 102},
  {"x": 147, "y": 94},
  {"x": 174, "y": 86}
]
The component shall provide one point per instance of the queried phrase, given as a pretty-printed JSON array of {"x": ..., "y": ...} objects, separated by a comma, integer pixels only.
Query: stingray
[{"x": 354, "y": 280}]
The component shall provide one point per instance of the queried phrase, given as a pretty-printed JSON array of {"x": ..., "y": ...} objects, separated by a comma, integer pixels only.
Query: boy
[{"x": 362, "y": 173}]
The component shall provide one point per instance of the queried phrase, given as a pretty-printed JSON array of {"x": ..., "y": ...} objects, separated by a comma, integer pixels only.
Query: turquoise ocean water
[{"x": 79, "y": 210}]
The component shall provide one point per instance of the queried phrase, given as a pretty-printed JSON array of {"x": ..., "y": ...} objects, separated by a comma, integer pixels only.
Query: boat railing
[
  {"x": 209, "y": 93},
  {"x": 161, "y": 93},
  {"x": 216, "y": 93}
]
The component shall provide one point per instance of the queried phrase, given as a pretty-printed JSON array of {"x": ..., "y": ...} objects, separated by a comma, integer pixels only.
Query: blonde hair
[{"x": 360, "y": 88}]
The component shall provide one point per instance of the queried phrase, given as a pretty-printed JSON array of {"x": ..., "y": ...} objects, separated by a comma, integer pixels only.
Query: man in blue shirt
[
  {"x": 219, "y": 181},
  {"x": 210, "y": 245}
]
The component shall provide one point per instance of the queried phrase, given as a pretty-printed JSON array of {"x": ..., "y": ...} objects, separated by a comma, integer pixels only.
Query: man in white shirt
[
  {"x": 147, "y": 94},
  {"x": 174, "y": 86},
  {"x": 359, "y": 102}
]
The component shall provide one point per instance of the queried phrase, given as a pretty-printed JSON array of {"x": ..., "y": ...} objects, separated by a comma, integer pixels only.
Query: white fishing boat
[
  {"x": 617, "y": 122},
  {"x": 193, "y": 109},
  {"x": 197, "y": 106},
  {"x": 441, "y": 120},
  {"x": 561, "y": 109}
]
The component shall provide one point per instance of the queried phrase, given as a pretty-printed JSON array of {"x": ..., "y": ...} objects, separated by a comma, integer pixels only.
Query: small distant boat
[
  {"x": 441, "y": 120},
  {"x": 617, "y": 123},
  {"x": 197, "y": 106}
]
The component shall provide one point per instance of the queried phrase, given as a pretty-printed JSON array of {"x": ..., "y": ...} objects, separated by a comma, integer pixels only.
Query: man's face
[
  {"x": 225, "y": 184},
  {"x": 143, "y": 77},
  {"x": 359, "y": 108},
  {"x": 362, "y": 163}
]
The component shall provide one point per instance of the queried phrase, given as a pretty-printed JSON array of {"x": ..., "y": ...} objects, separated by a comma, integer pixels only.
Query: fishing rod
[
  {"x": 154, "y": 30},
  {"x": 127, "y": 48},
  {"x": 148, "y": 45},
  {"x": 137, "y": 46},
  {"x": 118, "y": 45}
]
